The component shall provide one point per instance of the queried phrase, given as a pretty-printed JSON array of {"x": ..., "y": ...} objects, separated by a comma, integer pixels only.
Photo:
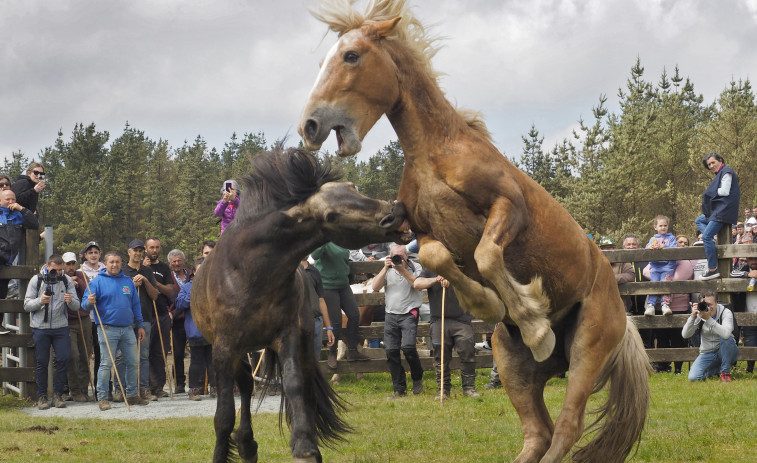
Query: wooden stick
[
  {"x": 110, "y": 352},
  {"x": 163, "y": 349},
  {"x": 86, "y": 354},
  {"x": 441, "y": 395},
  {"x": 173, "y": 355},
  {"x": 139, "y": 365},
  {"x": 254, "y": 372}
]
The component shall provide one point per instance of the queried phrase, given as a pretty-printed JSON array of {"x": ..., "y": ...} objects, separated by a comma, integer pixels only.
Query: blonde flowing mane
[{"x": 341, "y": 17}]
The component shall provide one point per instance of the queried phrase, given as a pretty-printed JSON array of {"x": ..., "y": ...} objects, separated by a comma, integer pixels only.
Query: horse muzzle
[
  {"x": 316, "y": 127},
  {"x": 397, "y": 222}
]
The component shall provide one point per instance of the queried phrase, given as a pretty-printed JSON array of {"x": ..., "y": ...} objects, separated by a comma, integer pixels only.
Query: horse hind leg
[
  {"x": 480, "y": 301},
  {"x": 524, "y": 380},
  {"x": 224, "y": 417},
  {"x": 527, "y": 305},
  {"x": 247, "y": 448}
]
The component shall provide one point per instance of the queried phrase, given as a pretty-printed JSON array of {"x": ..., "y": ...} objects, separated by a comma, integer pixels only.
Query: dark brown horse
[
  {"x": 510, "y": 250},
  {"x": 249, "y": 295}
]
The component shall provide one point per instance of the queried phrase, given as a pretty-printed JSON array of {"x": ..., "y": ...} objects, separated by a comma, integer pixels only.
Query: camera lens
[{"x": 397, "y": 259}]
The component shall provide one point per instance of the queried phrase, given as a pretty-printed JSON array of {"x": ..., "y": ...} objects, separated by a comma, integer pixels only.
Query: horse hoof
[
  {"x": 544, "y": 349},
  {"x": 312, "y": 459}
]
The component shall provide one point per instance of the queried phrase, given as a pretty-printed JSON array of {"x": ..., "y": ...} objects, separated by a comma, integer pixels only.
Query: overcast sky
[{"x": 176, "y": 69}]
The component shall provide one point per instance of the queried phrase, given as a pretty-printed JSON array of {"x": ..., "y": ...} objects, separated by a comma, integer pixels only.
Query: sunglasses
[
  {"x": 36, "y": 172},
  {"x": 3, "y": 184}
]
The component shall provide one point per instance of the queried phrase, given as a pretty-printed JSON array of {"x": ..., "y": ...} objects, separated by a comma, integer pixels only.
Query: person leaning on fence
[
  {"x": 403, "y": 304},
  {"x": 720, "y": 206},
  {"x": 114, "y": 296},
  {"x": 718, "y": 350},
  {"x": 200, "y": 350},
  {"x": 14, "y": 218},
  {"x": 49, "y": 297},
  {"x": 458, "y": 333}
]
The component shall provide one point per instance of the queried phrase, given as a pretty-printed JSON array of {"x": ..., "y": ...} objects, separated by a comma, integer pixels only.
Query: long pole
[
  {"x": 139, "y": 366},
  {"x": 84, "y": 344},
  {"x": 110, "y": 352},
  {"x": 163, "y": 349},
  {"x": 441, "y": 395},
  {"x": 254, "y": 372},
  {"x": 173, "y": 355}
]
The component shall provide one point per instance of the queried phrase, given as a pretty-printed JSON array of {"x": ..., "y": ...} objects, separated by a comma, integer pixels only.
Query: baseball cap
[
  {"x": 91, "y": 244},
  {"x": 69, "y": 257},
  {"x": 136, "y": 244}
]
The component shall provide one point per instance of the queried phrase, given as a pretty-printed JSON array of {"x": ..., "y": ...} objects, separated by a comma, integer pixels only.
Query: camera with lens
[
  {"x": 397, "y": 259},
  {"x": 702, "y": 306},
  {"x": 50, "y": 279}
]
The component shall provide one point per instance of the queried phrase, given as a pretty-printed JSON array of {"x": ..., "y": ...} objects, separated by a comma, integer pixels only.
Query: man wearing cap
[
  {"x": 623, "y": 270},
  {"x": 92, "y": 265},
  {"x": 144, "y": 281},
  {"x": 114, "y": 296},
  {"x": 80, "y": 331}
]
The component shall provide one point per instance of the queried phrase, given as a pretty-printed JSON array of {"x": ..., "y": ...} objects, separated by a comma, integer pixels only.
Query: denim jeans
[
  {"x": 709, "y": 229},
  {"x": 718, "y": 361},
  {"x": 144, "y": 362},
  {"x": 119, "y": 338},
  {"x": 59, "y": 339}
]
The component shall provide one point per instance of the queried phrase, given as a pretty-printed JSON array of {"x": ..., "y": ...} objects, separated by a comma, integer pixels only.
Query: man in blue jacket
[{"x": 115, "y": 298}]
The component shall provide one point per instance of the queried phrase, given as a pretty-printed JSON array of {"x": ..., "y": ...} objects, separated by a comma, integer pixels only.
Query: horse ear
[
  {"x": 382, "y": 29},
  {"x": 295, "y": 213}
]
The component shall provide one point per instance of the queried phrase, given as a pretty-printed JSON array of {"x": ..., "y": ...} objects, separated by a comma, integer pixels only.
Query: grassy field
[{"x": 709, "y": 422}]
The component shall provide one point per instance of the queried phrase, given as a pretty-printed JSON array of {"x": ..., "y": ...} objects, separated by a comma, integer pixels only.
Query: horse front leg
[
  {"x": 223, "y": 365},
  {"x": 480, "y": 301},
  {"x": 243, "y": 436},
  {"x": 303, "y": 439},
  {"x": 527, "y": 305}
]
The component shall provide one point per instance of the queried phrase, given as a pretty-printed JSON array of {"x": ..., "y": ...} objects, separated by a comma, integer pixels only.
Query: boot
[
  {"x": 58, "y": 402},
  {"x": 118, "y": 396},
  {"x": 103, "y": 404},
  {"x": 468, "y": 376},
  {"x": 195, "y": 394},
  {"x": 42, "y": 403},
  {"x": 137, "y": 400},
  {"x": 355, "y": 355},
  {"x": 147, "y": 395}
]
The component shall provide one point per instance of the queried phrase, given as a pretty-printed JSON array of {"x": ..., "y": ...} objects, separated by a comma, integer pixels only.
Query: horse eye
[
  {"x": 331, "y": 217},
  {"x": 351, "y": 57}
]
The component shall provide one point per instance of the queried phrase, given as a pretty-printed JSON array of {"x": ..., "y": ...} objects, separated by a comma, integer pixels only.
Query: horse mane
[
  {"x": 341, "y": 17},
  {"x": 280, "y": 179}
]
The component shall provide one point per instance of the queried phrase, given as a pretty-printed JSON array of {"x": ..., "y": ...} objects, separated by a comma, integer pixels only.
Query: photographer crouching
[{"x": 718, "y": 350}]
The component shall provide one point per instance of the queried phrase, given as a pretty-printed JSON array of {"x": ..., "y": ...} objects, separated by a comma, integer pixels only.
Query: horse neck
[{"x": 423, "y": 116}]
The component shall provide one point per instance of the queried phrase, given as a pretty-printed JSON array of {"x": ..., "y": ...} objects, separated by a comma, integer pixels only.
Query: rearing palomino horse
[
  {"x": 248, "y": 294},
  {"x": 491, "y": 231}
]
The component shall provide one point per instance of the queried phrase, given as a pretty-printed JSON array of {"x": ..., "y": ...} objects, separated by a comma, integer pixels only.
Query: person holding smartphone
[{"x": 227, "y": 207}]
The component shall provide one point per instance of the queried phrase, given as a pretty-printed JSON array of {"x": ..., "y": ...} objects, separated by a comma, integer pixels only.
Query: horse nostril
[
  {"x": 311, "y": 129},
  {"x": 387, "y": 221}
]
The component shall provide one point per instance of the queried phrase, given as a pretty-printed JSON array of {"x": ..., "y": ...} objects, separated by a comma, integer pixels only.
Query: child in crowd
[{"x": 661, "y": 270}]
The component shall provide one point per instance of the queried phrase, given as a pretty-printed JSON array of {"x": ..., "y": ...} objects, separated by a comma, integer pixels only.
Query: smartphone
[{"x": 228, "y": 186}]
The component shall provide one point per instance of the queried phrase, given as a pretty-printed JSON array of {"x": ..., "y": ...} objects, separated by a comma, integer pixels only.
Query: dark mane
[{"x": 282, "y": 178}]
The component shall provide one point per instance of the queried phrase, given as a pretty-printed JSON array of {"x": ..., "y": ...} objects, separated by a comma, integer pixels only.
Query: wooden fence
[
  {"x": 17, "y": 370},
  {"x": 725, "y": 286}
]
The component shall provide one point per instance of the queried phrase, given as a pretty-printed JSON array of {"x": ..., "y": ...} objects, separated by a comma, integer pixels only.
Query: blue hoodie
[
  {"x": 117, "y": 300},
  {"x": 182, "y": 305}
]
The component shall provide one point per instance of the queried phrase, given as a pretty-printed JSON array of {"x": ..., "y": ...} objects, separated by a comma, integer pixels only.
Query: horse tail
[
  {"x": 620, "y": 420},
  {"x": 327, "y": 404}
]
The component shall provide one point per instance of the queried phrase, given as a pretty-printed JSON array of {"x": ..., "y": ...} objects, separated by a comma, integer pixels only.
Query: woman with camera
[{"x": 227, "y": 206}]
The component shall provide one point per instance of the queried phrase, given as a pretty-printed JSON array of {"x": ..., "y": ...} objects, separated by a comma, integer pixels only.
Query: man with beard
[{"x": 164, "y": 283}]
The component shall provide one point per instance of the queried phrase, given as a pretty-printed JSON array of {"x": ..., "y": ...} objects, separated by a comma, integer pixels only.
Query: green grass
[{"x": 708, "y": 422}]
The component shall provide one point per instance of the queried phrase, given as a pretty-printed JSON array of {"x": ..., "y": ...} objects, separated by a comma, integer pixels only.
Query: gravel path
[{"x": 179, "y": 407}]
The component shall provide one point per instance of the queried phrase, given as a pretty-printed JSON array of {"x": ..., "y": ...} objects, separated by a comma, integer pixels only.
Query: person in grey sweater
[
  {"x": 49, "y": 296},
  {"x": 718, "y": 350}
]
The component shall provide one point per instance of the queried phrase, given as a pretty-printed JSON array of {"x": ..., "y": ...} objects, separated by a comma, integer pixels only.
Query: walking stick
[
  {"x": 173, "y": 355},
  {"x": 139, "y": 367},
  {"x": 163, "y": 349},
  {"x": 441, "y": 396},
  {"x": 86, "y": 354},
  {"x": 110, "y": 352},
  {"x": 254, "y": 372}
]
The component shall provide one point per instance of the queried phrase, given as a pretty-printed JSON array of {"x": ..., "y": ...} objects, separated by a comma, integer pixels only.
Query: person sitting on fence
[
  {"x": 718, "y": 350},
  {"x": 458, "y": 333},
  {"x": 115, "y": 297},
  {"x": 200, "y": 350},
  {"x": 661, "y": 270},
  {"x": 49, "y": 297},
  {"x": 720, "y": 206},
  {"x": 403, "y": 304}
]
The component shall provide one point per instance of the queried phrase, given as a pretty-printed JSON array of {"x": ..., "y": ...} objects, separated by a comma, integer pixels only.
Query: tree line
[{"x": 614, "y": 175}]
